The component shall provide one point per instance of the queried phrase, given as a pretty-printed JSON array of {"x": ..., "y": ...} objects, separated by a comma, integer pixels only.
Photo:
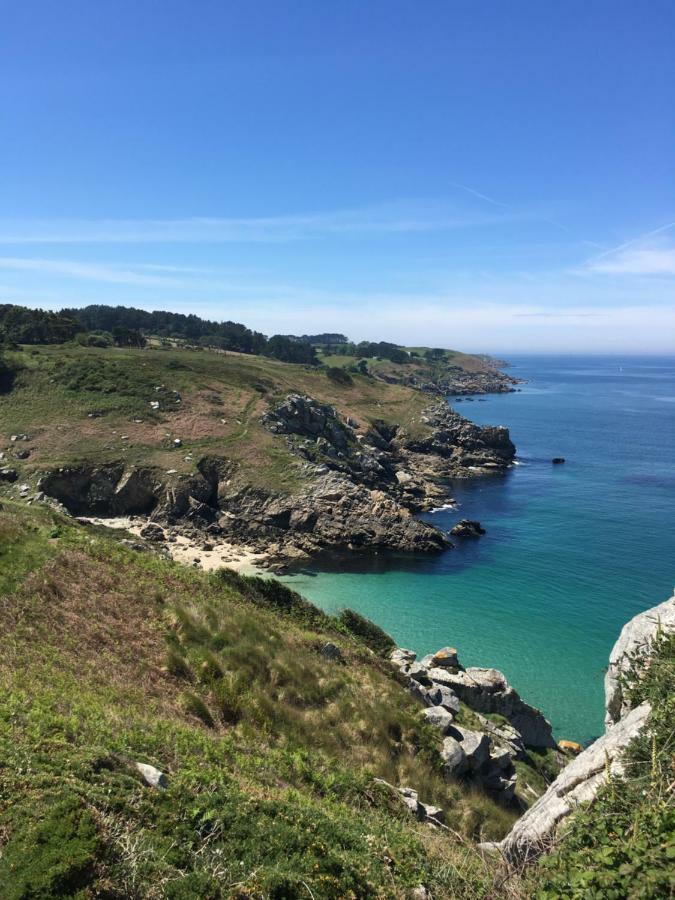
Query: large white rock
[
  {"x": 151, "y": 775},
  {"x": 578, "y": 783},
  {"x": 634, "y": 642}
]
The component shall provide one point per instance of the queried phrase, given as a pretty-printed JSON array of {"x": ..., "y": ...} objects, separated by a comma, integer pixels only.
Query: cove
[{"x": 571, "y": 552}]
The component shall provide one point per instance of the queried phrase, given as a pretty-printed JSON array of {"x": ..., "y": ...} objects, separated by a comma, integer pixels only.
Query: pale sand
[{"x": 242, "y": 559}]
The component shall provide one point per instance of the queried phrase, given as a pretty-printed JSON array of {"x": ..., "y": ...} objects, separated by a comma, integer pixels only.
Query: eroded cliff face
[
  {"x": 581, "y": 780},
  {"x": 635, "y": 641},
  {"x": 362, "y": 485}
]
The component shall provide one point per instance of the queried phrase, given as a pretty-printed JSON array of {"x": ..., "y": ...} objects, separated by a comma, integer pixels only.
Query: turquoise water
[{"x": 571, "y": 552}]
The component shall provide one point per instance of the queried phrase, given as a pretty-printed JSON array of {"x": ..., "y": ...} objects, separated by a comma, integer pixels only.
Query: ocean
[{"x": 571, "y": 551}]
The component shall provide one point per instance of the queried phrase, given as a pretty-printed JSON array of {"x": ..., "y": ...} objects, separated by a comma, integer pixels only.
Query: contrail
[
  {"x": 469, "y": 190},
  {"x": 636, "y": 240}
]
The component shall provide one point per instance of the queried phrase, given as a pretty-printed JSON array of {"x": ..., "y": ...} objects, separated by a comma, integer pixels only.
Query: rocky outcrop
[
  {"x": 634, "y": 645},
  {"x": 467, "y": 528},
  {"x": 463, "y": 445},
  {"x": 454, "y": 380},
  {"x": 361, "y": 486},
  {"x": 485, "y": 757},
  {"x": 488, "y": 691},
  {"x": 578, "y": 783},
  {"x": 423, "y": 812}
]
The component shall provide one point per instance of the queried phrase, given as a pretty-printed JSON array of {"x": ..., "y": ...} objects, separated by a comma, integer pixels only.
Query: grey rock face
[
  {"x": 453, "y": 756},
  {"x": 439, "y": 717},
  {"x": 488, "y": 691},
  {"x": 635, "y": 641},
  {"x": 578, "y": 783},
  {"x": 402, "y": 657},
  {"x": 475, "y": 746},
  {"x": 417, "y": 672},
  {"x": 440, "y": 695}
]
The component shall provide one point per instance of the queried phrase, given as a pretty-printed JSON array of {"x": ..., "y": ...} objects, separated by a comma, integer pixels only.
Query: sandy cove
[{"x": 243, "y": 559}]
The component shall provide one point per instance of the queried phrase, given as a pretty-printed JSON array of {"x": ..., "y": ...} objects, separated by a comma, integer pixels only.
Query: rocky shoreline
[
  {"x": 457, "y": 382},
  {"x": 362, "y": 485}
]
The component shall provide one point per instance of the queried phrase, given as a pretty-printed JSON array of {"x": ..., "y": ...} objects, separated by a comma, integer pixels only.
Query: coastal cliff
[
  {"x": 582, "y": 780},
  {"x": 361, "y": 486}
]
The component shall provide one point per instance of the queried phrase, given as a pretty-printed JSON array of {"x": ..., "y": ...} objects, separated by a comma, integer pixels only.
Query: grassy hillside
[
  {"x": 210, "y": 401},
  {"x": 112, "y": 657},
  {"x": 452, "y": 361}
]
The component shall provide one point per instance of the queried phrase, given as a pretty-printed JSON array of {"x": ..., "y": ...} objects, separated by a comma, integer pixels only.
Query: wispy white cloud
[
  {"x": 387, "y": 219},
  {"x": 647, "y": 254},
  {"x": 90, "y": 271},
  {"x": 636, "y": 261}
]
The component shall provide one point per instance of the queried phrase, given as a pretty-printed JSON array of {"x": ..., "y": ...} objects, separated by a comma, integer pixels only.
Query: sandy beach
[{"x": 182, "y": 549}]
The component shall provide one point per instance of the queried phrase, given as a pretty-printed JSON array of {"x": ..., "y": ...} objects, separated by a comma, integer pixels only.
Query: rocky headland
[{"x": 362, "y": 485}]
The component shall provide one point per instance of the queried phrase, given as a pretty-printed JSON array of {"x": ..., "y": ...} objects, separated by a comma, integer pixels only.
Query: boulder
[
  {"x": 453, "y": 756},
  {"x": 7, "y": 474},
  {"x": 467, "y": 528},
  {"x": 439, "y": 717},
  {"x": 578, "y": 783},
  {"x": 475, "y": 746},
  {"x": 440, "y": 695},
  {"x": 152, "y": 532},
  {"x": 570, "y": 747},
  {"x": 402, "y": 657},
  {"x": 634, "y": 644},
  {"x": 445, "y": 659},
  {"x": 151, "y": 775}
]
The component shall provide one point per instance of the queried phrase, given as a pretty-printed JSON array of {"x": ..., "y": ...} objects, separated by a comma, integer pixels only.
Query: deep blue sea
[{"x": 571, "y": 552}]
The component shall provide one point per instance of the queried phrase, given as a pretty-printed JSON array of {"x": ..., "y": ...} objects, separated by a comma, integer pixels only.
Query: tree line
[
  {"x": 98, "y": 325},
  {"x": 124, "y": 326}
]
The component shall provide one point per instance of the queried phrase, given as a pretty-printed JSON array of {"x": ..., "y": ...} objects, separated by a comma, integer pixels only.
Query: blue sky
[{"x": 488, "y": 175}]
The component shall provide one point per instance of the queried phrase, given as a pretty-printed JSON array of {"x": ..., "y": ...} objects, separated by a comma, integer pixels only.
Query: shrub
[
  {"x": 196, "y": 706},
  {"x": 52, "y": 856},
  {"x": 339, "y": 376},
  {"x": 371, "y": 634}
]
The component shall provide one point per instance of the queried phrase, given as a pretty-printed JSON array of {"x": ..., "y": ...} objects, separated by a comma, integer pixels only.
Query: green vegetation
[
  {"x": 77, "y": 402},
  {"x": 287, "y": 350},
  {"x": 270, "y": 748},
  {"x": 35, "y": 326},
  {"x": 624, "y": 845}
]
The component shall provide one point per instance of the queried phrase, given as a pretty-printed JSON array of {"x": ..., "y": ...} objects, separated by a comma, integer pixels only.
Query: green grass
[{"x": 271, "y": 750}]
